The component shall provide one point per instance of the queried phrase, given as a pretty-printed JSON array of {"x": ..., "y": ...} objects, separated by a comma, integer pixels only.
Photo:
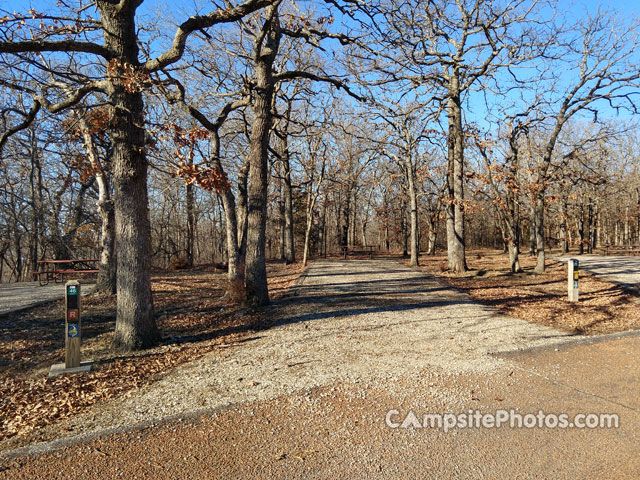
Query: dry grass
[
  {"x": 603, "y": 307},
  {"x": 193, "y": 315}
]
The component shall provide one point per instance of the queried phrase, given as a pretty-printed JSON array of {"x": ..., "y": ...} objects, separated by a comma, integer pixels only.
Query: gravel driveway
[{"x": 359, "y": 322}]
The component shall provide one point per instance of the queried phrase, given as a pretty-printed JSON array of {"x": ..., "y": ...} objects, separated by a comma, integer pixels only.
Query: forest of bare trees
[{"x": 269, "y": 129}]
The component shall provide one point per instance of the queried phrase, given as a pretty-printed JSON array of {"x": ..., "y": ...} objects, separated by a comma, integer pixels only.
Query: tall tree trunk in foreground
[
  {"x": 135, "y": 324},
  {"x": 455, "y": 180},
  {"x": 265, "y": 53}
]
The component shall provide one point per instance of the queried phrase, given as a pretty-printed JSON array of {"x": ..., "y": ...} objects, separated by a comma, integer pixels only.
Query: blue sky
[
  {"x": 154, "y": 8},
  {"x": 630, "y": 7}
]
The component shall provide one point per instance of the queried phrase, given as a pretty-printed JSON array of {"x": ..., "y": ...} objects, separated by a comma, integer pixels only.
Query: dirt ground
[
  {"x": 603, "y": 307},
  {"x": 193, "y": 318}
]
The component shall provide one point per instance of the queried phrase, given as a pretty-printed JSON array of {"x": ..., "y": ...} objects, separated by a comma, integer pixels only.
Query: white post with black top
[{"x": 573, "y": 279}]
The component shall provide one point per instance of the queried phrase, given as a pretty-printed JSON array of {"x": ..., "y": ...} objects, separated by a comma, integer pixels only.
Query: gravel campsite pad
[
  {"x": 358, "y": 322},
  {"x": 307, "y": 397}
]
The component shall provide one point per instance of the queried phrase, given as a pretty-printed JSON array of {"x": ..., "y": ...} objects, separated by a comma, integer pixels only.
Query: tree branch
[
  {"x": 199, "y": 22},
  {"x": 60, "y": 46},
  {"x": 339, "y": 84}
]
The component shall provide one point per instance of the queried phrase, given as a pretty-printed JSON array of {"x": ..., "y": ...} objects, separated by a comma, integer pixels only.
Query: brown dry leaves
[
  {"x": 542, "y": 299},
  {"x": 282, "y": 278},
  {"x": 192, "y": 316}
]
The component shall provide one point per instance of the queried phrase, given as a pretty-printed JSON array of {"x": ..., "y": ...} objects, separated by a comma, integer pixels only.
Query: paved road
[
  {"x": 19, "y": 296},
  {"x": 623, "y": 270},
  {"x": 309, "y": 397}
]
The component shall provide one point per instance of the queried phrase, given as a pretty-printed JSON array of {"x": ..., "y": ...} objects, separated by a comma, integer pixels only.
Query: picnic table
[
  {"x": 357, "y": 250},
  {"x": 56, "y": 269}
]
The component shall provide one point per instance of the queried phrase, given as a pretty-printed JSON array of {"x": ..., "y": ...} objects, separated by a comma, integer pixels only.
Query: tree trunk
[
  {"x": 311, "y": 202},
  {"x": 627, "y": 227},
  {"x": 323, "y": 250},
  {"x": 35, "y": 177},
  {"x": 532, "y": 228},
  {"x": 455, "y": 181},
  {"x": 539, "y": 234},
  {"x": 637, "y": 217},
  {"x": 432, "y": 234},
  {"x": 405, "y": 230},
  {"x": 135, "y": 323},
  {"x": 191, "y": 222},
  {"x": 512, "y": 241},
  {"x": 564, "y": 244},
  {"x": 592, "y": 229},
  {"x": 514, "y": 257},
  {"x": 289, "y": 239},
  {"x": 413, "y": 212},
  {"x": 233, "y": 215},
  {"x": 281, "y": 212},
  {"x": 346, "y": 220},
  {"x": 256, "y": 271},
  {"x": 581, "y": 230},
  {"x": 107, "y": 268}
]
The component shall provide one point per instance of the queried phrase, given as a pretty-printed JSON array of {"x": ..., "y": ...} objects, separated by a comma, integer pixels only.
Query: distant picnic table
[
  {"x": 56, "y": 269},
  {"x": 357, "y": 250}
]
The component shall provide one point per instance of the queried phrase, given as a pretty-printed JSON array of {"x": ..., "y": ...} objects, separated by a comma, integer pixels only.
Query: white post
[{"x": 572, "y": 279}]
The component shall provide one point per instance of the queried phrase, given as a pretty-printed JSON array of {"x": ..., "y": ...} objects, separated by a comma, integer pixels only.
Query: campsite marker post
[
  {"x": 572, "y": 279},
  {"x": 72, "y": 333},
  {"x": 72, "y": 324}
]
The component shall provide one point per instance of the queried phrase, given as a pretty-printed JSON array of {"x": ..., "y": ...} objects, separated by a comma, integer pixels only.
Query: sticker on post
[
  {"x": 72, "y": 314},
  {"x": 72, "y": 290},
  {"x": 73, "y": 330},
  {"x": 575, "y": 284}
]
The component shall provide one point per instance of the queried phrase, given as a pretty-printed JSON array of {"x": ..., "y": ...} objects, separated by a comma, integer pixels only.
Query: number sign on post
[{"x": 72, "y": 325}]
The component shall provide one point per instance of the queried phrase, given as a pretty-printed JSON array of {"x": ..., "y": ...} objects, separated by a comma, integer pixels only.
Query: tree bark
[
  {"x": 532, "y": 228},
  {"x": 266, "y": 51},
  {"x": 289, "y": 239},
  {"x": 311, "y": 202},
  {"x": 564, "y": 244},
  {"x": 455, "y": 181},
  {"x": 413, "y": 211},
  {"x": 432, "y": 233},
  {"x": 281, "y": 211},
  {"x": 233, "y": 215},
  {"x": 539, "y": 234},
  {"x": 191, "y": 223},
  {"x": 35, "y": 178},
  {"x": 581, "y": 230},
  {"x": 135, "y": 323}
]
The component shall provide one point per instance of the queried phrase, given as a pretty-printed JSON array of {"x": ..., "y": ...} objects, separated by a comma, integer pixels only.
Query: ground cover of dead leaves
[
  {"x": 603, "y": 307},
  {"x": 193, "y": 316}
]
